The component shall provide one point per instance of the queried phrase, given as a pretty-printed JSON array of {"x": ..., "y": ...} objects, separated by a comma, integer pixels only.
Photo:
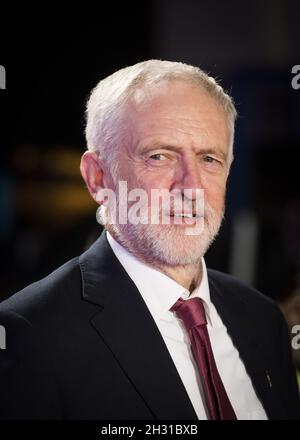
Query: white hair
[{"x": 105, "y": 128}]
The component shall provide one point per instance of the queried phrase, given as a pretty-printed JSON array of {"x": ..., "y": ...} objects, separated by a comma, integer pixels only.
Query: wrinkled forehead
[
  {"x": 166, "y": 91},
  {"x": 173, "y": 108}
]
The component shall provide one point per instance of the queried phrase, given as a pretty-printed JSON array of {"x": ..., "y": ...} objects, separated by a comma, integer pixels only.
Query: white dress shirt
[{"x": 160, "y": 292}]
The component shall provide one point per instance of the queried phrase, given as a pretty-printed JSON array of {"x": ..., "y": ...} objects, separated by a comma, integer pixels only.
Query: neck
[{"x": 189, "y": 276}]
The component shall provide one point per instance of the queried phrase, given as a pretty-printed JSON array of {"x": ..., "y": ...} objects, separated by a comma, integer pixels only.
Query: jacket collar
[{"x": 125, "y": 324}]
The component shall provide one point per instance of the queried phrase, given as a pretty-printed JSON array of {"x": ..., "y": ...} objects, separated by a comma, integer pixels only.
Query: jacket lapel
[
  {"x": 246, "y": 338},
  {"x": 126, "y": 326}
]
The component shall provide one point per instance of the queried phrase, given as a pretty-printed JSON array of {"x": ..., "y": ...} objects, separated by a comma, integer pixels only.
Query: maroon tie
[{"x": 192, "y": 313}]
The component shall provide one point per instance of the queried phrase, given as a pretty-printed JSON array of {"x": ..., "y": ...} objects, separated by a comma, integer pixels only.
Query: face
[{"x": 179, "y": 140}]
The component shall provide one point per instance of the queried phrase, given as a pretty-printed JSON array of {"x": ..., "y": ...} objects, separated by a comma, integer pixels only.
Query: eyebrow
[{"x": 179, "y": 149}]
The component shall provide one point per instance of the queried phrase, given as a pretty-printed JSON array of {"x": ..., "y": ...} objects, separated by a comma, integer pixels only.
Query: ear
[{"x": 92, "y": 171}]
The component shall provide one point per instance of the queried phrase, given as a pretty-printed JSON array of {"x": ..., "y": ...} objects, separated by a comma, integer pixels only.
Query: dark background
[{"x": 53, "y": 57}]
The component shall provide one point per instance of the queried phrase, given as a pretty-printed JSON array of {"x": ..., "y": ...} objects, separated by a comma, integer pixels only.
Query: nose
[{"x": 188, "y": 176}]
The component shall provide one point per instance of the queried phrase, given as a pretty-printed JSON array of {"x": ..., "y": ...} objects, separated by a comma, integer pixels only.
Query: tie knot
[{"x": 191, "y": 312}]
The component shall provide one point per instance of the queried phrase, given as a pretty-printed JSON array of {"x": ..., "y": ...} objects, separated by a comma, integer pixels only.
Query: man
[{"x": 108, "y": 334}]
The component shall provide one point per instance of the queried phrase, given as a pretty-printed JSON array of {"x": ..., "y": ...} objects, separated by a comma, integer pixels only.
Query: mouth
[
  {"x": 185, "y": 215},
  {"x": 184, "y": 219}
]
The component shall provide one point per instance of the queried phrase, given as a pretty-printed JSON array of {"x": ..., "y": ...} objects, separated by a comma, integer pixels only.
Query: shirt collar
[{"x": 159, "y": 291}]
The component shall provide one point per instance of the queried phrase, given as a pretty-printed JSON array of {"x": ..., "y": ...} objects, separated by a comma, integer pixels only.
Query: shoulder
[
  {"x": 254, "y": 312},
  {"x": 48, "y": 293},
  {"x": 240, "y": 292},
  {"x": 35, "y": 322}
]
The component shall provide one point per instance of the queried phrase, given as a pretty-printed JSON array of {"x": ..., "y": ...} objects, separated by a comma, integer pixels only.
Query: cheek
[
  {"x": 128, "y": 172},
  {"x": 155, "y": 179}
]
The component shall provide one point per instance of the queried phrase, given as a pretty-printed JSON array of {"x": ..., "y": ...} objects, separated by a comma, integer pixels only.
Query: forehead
[{"x": 182, "y": 111}]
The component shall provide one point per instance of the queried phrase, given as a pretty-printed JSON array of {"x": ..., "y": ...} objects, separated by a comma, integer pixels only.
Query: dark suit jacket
[{"x": 81, "y": 344}]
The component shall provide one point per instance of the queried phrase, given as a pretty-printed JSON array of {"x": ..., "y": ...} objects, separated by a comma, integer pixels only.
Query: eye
[
  {"x": 212, "y": 164},
  {"x": 158, "y": 156},
  {"x": 210, "y": 159}
]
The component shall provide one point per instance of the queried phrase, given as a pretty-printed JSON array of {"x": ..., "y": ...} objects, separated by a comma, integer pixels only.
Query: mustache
[
  {"x": 196, "y": 210},
  {"x": 177, "y": 206}
]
